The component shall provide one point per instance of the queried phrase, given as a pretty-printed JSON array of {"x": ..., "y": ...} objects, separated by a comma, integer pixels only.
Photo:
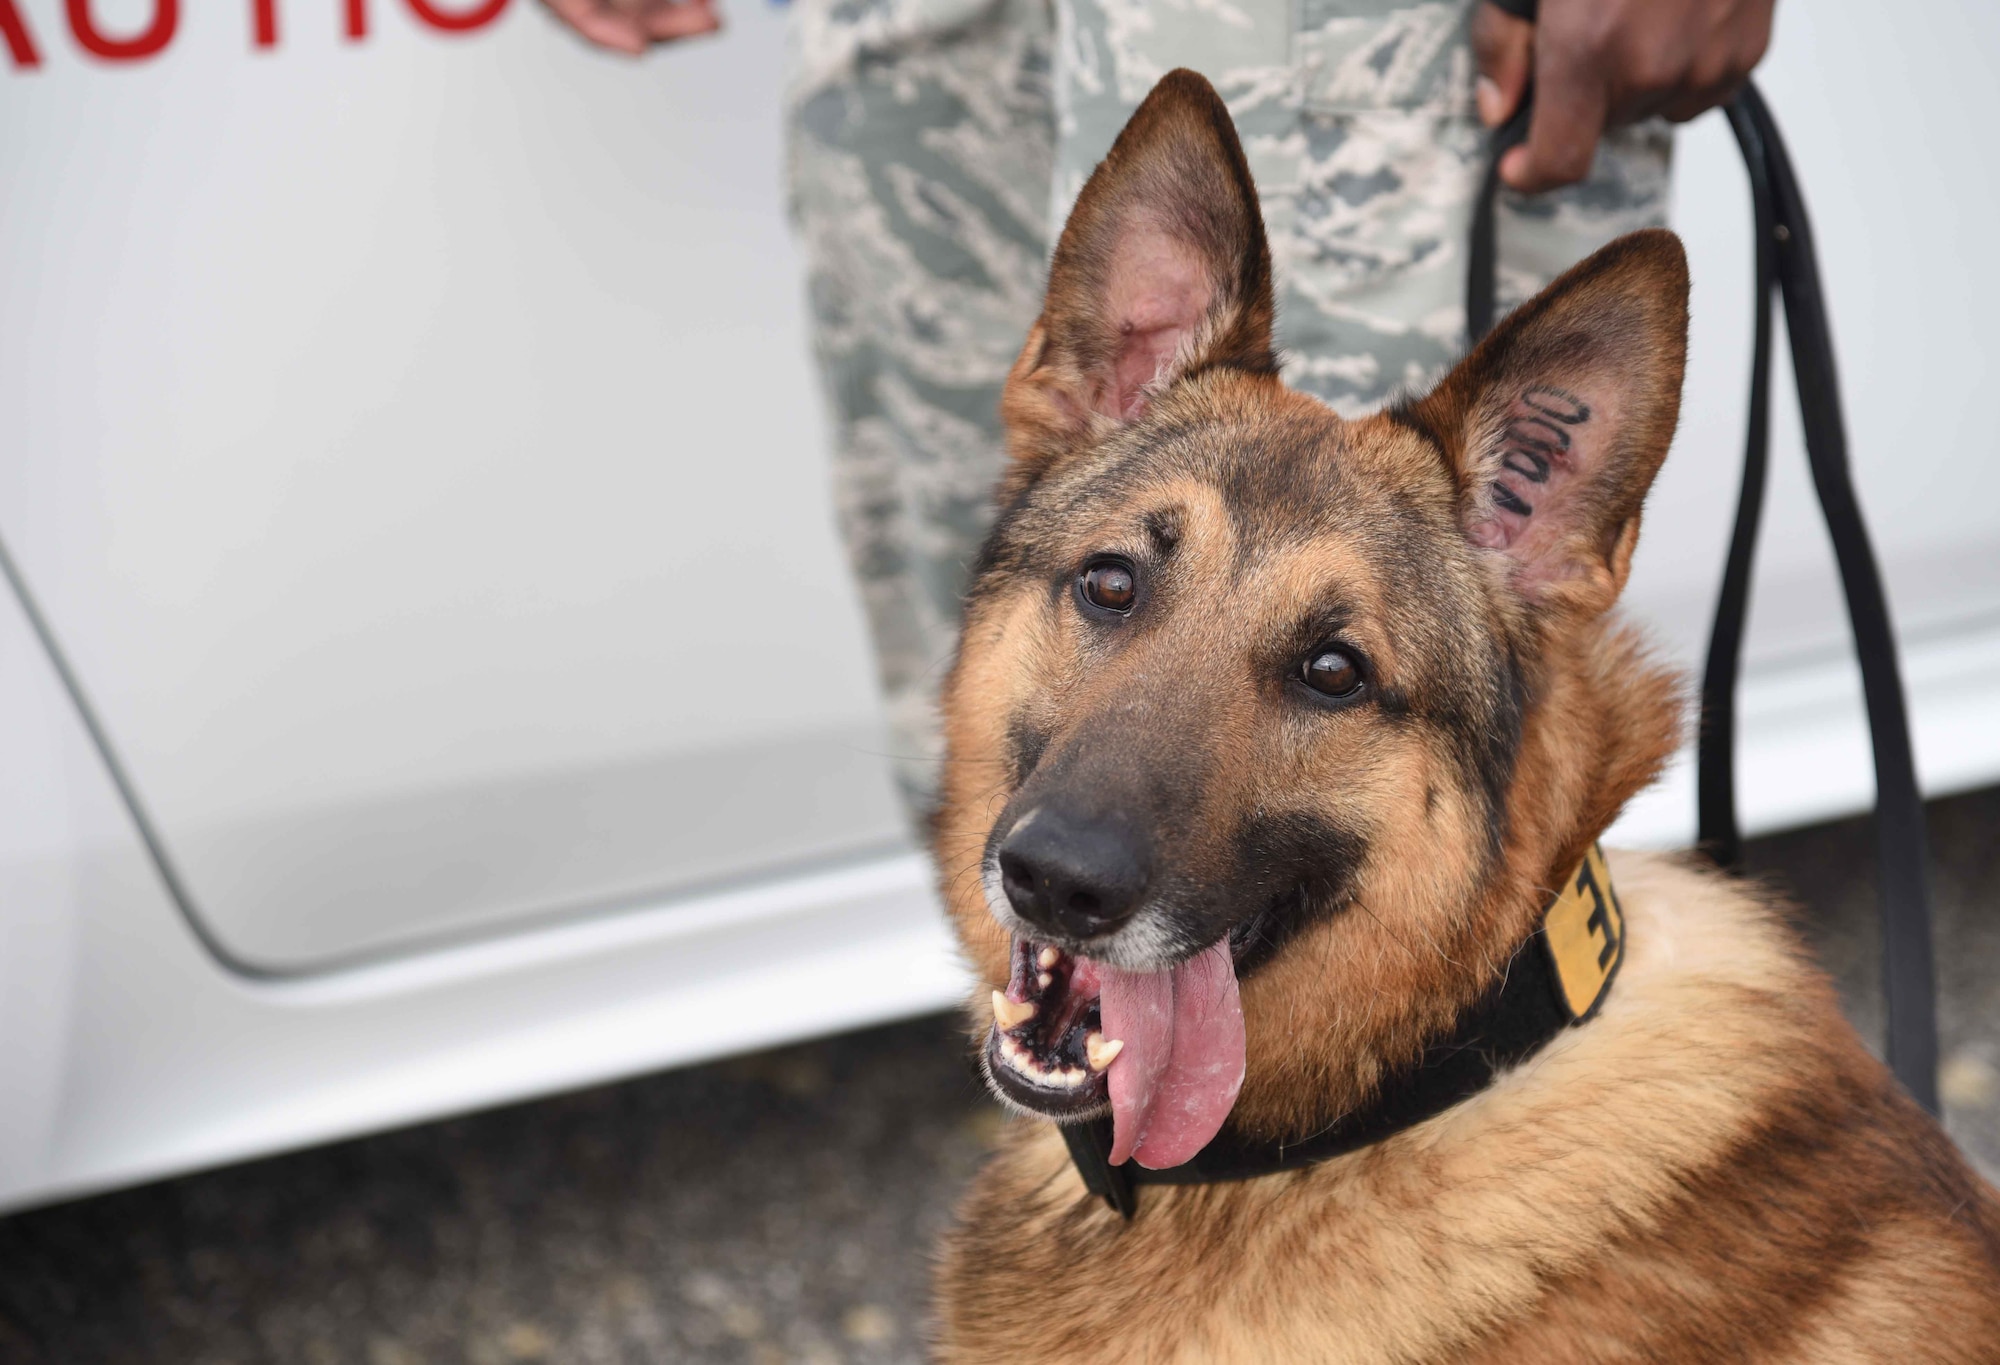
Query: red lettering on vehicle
[
  {"x": 20, "y": 43},
  {"x": 445, "y": 16},
  {"x": 478, "y": 17},
  {"x": 166, "y": 16}
]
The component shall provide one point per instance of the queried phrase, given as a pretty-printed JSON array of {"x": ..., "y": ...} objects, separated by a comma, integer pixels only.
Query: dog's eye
[
  {"x": 1108, "y": 585},
  {"x": 1332, "y": 673}
]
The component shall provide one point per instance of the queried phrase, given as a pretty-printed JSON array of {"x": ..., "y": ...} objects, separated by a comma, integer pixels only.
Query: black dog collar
[{"x": 1556, "y": 979}]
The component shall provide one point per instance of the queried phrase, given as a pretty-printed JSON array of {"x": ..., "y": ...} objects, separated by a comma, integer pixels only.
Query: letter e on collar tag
[{"x": 1584, "y": 931}]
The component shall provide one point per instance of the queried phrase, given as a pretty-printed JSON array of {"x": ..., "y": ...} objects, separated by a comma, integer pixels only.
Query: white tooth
[
  {"x": 1048, "y": 959},
  {"x": 1072, "y": 1077},
  {"x": 1011, "y": 1014},
  {"x": 1043, "y": 979},
  {"x": 1102, "y": 1051}
]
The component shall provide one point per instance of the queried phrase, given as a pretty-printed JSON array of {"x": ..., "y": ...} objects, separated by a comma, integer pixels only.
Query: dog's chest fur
[{"x": 1711, "y": 1169}]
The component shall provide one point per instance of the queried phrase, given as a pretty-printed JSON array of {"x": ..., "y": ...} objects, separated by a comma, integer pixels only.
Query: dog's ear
[
  {"x": 1557, "y": 422},
  {"x": 1162, "y": 270}
]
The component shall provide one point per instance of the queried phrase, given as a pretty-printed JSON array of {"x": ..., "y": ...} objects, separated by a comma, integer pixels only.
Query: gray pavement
[{"x": 774, "y": 1208}]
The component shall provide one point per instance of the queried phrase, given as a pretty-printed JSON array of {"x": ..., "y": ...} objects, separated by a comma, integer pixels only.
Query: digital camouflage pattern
[
  {"x": 922, "y": 140},
  {"x": 935, "y": 149}
]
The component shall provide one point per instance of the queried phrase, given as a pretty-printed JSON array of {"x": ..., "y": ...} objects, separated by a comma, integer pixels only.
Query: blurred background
[{"x": 411, "y": 453}]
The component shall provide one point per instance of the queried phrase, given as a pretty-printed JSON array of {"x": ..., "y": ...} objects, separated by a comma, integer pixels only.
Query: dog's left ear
[
  {"x": 1162, "y": 270},
  {"x": 1557, "y": 422}
]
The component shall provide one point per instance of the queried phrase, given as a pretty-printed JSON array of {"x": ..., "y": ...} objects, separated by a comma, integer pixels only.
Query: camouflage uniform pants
[{"x": 936, "y": 146}]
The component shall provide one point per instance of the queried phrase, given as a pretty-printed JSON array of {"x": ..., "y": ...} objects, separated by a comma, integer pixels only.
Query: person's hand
[
  {"x": 1600, "y": 63},
  {"x": 635, "y": 25}
]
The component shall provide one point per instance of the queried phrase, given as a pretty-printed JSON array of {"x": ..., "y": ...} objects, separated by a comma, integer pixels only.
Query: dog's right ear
[{"x": 1162, "y": 270}]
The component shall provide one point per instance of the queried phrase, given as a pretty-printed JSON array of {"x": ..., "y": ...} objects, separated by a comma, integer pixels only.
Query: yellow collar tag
[{"x": 1585, "y": 932}]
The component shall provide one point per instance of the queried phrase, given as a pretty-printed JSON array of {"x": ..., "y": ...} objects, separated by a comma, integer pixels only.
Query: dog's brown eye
[
  {"x": 1107, "y": 583},
  {"x": 1332, "y": 673}
]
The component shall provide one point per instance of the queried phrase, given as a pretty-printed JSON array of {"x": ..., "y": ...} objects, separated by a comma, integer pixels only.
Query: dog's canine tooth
[
  {"x": 1010, "y": 1014},
  {"x": 1048, "y": 959},
  {"x": 1102, "y": 1051}
]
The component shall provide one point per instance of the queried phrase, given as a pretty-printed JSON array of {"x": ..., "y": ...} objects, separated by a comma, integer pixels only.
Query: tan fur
[{"x": 1712, "y": 1167}]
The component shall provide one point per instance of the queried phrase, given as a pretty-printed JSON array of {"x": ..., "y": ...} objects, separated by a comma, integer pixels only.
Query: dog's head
[{"x": 1247, "y": 691}]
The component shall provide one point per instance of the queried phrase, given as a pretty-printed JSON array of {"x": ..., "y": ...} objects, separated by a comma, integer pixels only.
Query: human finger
[
  {"x": 598, "y": 23},
  {"x": 1720, "y": 70},
  {"x": 1571, "y": 106},
  {"x": 681, "y": 19},
  {"x": 1503, "y": 51}
]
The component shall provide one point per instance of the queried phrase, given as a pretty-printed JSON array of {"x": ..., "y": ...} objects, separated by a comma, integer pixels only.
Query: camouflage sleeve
[
  {"x": 1358, "y": 120},
  {"x": 920, "y": 142}
]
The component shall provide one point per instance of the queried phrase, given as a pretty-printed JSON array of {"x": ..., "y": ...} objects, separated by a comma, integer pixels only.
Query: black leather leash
[{"x": 1788, "y": 268}]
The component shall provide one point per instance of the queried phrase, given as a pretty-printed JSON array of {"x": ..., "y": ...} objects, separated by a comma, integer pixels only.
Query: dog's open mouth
[
  {"x": 1047, "y": 1050},
  {"x": 1163, "y": 1050}
]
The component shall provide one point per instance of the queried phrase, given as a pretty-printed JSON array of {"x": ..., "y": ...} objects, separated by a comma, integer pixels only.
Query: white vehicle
[{"x": 411, "y": 452}]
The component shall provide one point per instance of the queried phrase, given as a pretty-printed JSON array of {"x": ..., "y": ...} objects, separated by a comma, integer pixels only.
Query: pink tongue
[{"x": 1177, "y": 1078}]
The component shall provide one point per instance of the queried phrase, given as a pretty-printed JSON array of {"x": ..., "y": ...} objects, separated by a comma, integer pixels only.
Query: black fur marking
[
  {"x": 1281, "y": 486},
  {"x": 1394, "y": 703},
  {"x": 1163, "y": 529},
  {"x": 1025, "y": 746},
  {"x": 1302, "y": 868},
  {"x": 1480, "y": 721},
  {"x": 1263, "y": 365},
  {"x": 1001, "y": 550},
  {"x": 1486, "y": 741}
]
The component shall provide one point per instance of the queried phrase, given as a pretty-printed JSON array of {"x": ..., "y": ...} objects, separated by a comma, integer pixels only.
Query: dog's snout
[{"x": 1078, "y": 878}]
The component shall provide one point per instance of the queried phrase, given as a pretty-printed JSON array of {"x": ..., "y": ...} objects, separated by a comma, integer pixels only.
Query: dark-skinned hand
[{"x": 1597, "y": 64}]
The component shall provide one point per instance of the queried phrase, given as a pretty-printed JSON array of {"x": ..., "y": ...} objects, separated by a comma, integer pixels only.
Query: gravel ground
[{"x": 773, "y": 1208}]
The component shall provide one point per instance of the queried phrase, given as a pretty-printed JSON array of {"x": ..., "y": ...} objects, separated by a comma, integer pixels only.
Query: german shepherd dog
[{"x": 1269, "y": 736}]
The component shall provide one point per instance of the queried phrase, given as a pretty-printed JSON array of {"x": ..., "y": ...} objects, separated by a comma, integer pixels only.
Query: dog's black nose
[{"x": 1074, "y": 877}]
